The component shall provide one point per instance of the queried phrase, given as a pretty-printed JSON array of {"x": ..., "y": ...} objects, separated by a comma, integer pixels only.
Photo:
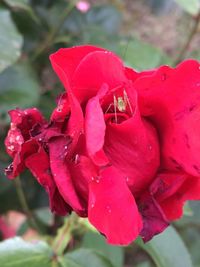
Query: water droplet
[
  {"x": 127, "y": 179},
  {"x": 19, "y": 114},
  {"x": 150, "y": 147},
  {"x": 108, "y": 209},
  {"x": 11, "y": 148},
  {"x": 92, "y": 206},
  {"x": 92, "y": 178},
  {"x": 77, "y": 157},
  {"x": 163, "y": 77},
  {"x": 18, "y": 138},
  {"x": 65, "y": 147},
  {"x": 40, "y": 139},
  {"x": 199, "y": 67}
]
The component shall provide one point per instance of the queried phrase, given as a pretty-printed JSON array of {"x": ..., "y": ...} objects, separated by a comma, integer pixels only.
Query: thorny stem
[
  {"x": 189, "y": 39},
  {"x": 52, "y": 34},
  {"x": 24, "y": 204}
]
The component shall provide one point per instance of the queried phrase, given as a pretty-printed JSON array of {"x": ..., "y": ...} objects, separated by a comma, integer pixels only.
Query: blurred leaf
[
  {"x": 187, "y": 211},
  {"x": 10, "y": 40},
  {"x": 140, "y": 55},
  {"x": 144, "y": 264},
  {"x": 105, "y": 18},
  {"x": 191, "y": 6},
  {"x": 167, "y": 249},
  {"x": 84, "y": 258},
  {"x": 18, "y": 87},
  {"x": 22, "y": 5},
  {"x": 18, "y": 253},
  {"x": 45, "y": 216},
  {"x": 97, "y": 242}
]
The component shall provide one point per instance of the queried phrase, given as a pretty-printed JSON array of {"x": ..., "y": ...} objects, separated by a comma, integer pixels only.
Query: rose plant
[{"x": 121, "y": 147}]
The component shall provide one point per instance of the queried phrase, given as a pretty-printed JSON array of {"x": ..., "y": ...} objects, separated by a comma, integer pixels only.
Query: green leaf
[
  {"x": 84, "y": 258},
  {"x": 141, "y": 55},
  {"x": 22, "y": 5},
  {"x": 167, "y": 249},
  {"x": 18, "y": 253},
  {"x": 97, "y": 242},
  {"x": 19, "y": 87},
  {"x": 190, "y": 6},
  {"x": 10, "y": 40},
  {"x": 45, "y": 215}
]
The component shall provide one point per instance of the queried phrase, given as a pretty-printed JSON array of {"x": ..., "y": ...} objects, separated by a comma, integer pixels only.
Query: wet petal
[
  {"x": 58, "y": 148},
  {"x": 171, "y": 99},
  {"x": 112, "y": 211}
]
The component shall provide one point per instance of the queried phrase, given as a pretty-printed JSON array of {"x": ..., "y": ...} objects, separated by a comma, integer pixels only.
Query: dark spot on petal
[
  {"x": 186, "y": 139},
  {"x": 177, "y": 165},
  {"x": 197, "y": 169}
]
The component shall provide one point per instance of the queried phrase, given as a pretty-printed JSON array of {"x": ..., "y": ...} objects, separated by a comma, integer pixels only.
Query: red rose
[{"x": 121, "y": 147}]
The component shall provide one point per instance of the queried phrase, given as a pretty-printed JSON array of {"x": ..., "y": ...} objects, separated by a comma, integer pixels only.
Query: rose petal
[
  {"x": 66, "y": 60},
  {"x": 171, "y": 99},
  {"x": 57, "y": 151},
  {"x": 132, "y": 147},
  {"x": 95, "y": 131},
  {"x": 171, "y": 190},
  {"x": 112, "y": 208},
  {"x": 94, "y": 65},
  {"x": 154, "y": 219},
  {"x": 39, "y": 165},
  {"x": 82, "y": 170}
]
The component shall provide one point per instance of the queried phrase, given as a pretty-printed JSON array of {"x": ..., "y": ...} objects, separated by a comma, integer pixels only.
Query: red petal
[
  {"x": 39, "y": 165},
  {"x": 58, "y": 150},
  {"x": 132, "y": 147},
  {"x": 96, "y": 69},
  {"x": 82, "y": 170},
  {"x": 95, "y": 131},
  {"x": 171, "y": 190},
  {"x": 112, "y": 208},
  {"x": 171, "y": 99},
  {"x": 66, "y": 60}
]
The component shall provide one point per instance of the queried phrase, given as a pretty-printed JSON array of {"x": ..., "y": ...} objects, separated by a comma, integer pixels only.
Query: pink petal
[{"x": 112, "y": 208}]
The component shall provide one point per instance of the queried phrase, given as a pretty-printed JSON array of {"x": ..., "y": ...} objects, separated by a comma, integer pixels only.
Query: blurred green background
[{"x": 145, "y": 34}]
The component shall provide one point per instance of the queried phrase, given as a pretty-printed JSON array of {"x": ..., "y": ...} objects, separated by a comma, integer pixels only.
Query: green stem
[
  {"x": 63, "y": 237},
  {"x": 24, "y": 204},
  {"x": 53, "y": 33},
  {"x": 189, "y": 40}
]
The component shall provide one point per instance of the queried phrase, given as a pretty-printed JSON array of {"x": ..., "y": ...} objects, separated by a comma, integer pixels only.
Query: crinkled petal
[
  {"x": 39, "y": 165},
  {"x": 112, "y": 208},
  {"x": 171, "y": 99},
  {"x": 172, "y": 190},
  {"x": 18, "y": 164},
  {"x": 153, "y": 217}
]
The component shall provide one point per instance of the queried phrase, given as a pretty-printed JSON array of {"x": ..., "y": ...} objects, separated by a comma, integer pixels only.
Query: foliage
[{"x": 29, "y": 31}]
